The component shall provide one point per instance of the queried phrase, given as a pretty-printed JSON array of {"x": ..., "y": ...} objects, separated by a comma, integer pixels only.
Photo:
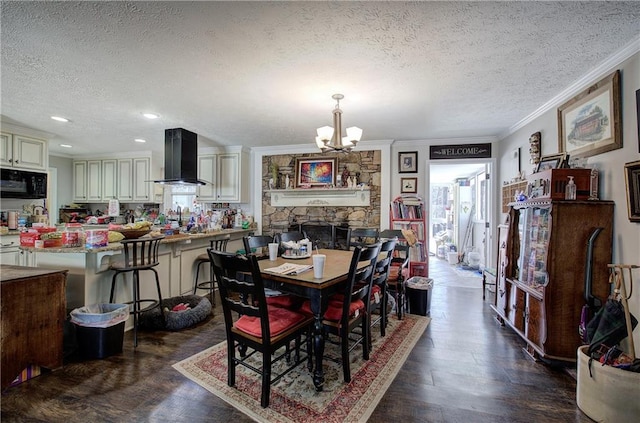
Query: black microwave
[{"x": 22, "y": 184}]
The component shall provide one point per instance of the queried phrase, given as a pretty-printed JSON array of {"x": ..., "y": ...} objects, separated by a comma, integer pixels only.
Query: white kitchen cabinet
[
  {"x": 80, "y": 181},
  {"x": 207, "y": 165},
  {"x": 87, "y": 181},
  {"x": 109, "y": 179},
  {"x": 22, "y": 152},
  {"x": 228, "y": 173},
  {"x": 9, "y": 252},
  {"x": 125, "y": 180},
  {"x": 232, "y": 172},
  {"x": 142, "y": 188},
  {"x": 94, "y": 180}
]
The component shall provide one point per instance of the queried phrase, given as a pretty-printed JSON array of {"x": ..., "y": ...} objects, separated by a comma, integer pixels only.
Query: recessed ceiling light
[
  {"x": 151, "y": 115},
  {"x": 59, "y": 119},
  {"x": 65, "y": 145},
  {"x": 140, "y": 140}
]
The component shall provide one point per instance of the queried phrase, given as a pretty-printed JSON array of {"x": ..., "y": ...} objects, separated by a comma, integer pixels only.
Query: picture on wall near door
[
  {"x": 409, "y": 185},
  {"x": 408, "y": 162},
  {"x": 590, "y": 123}
]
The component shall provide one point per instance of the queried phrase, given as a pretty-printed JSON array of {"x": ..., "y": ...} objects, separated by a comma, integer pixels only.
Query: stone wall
[{"x": 363, "y": 165}]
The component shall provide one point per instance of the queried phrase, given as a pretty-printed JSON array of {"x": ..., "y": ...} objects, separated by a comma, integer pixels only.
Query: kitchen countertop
[{"x": 115, "y": 246}]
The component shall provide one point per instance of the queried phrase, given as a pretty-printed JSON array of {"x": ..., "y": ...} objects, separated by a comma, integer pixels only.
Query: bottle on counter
[{"x": 570, "y": 190}]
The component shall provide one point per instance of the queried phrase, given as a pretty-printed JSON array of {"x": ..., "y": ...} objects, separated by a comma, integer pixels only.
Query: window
[{"x": 180, "y": 195}]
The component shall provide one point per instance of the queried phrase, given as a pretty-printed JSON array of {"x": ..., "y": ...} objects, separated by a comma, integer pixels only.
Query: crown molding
[{"x": 604, "y": 68}]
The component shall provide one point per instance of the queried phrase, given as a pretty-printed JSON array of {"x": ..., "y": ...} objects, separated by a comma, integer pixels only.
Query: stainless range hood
[{"x": 180, "y": 158}]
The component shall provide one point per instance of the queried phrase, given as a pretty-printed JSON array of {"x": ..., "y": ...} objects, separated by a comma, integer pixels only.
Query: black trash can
[
  {"x": 418, "y": 292},
  {"x": 100, "y": 329}
]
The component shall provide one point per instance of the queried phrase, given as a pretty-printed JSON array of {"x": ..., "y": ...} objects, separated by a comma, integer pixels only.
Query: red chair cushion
[
  {"x": 334, "y": 310},
  {"x": 285, "y": 301},
  {"x": 280, "y": 319}
]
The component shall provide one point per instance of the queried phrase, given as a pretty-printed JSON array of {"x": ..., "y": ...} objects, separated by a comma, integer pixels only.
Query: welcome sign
[{"x": 460, "y": 151}]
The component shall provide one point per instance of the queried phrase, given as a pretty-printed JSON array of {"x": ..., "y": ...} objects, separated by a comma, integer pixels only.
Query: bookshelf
[{"x": 408, "y": 212}]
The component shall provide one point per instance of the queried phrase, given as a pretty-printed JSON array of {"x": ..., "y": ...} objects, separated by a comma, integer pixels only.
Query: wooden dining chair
[
  {"x": 398, "y": 268},
  {"x": 289, "y": 236},
  {"x": 252, "y": 324},
  {"x": 294, "y": 236},
  {"x": 378, "y": 299},
  {"x": 257, "y": 244},
  {"x": 218, "y": 244},
  {"x": 347, "y": 310},
  {"x": 138, "y": 255},
  {"x": 358, "y": 237}
]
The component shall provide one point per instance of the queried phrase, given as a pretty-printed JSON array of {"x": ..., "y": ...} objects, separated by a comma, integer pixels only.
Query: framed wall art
[
  {"x": 408, "y": 162},
  {"x": 590, "y": 123},
  {"x": 632, "y": 181},
  {"x": 554, "y": 161},
  {"x": 318, "y": 172},
  {"x": 409, "y": 185},
  {"x": 638, "y": 116}
]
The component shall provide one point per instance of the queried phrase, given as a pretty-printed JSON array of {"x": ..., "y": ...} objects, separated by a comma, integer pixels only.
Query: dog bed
[{"x": 199, "y": 308}]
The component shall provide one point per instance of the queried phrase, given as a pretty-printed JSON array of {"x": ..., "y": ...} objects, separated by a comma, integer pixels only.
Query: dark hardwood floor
[{"x": 465, "y": 368}]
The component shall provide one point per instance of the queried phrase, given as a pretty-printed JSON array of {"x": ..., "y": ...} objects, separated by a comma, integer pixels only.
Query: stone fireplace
[{"x": 327, "y": 223}]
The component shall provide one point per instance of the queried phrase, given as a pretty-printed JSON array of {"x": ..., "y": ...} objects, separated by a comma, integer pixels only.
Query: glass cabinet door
[{"x": 534, "y": 226}]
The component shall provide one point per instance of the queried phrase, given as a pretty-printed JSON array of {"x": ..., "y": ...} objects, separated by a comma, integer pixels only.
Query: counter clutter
[{"x": 78, "y": 238}]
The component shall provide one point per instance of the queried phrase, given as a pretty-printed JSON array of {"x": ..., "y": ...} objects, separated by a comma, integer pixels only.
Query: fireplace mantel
[{"x": 321, "y": 197}]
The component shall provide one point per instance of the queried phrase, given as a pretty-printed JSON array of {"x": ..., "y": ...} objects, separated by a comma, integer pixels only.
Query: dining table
[{"x": 317, "y": 290}]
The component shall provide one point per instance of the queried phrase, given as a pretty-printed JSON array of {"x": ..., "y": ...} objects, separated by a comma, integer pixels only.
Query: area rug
[{"x": 294, "y": 398}]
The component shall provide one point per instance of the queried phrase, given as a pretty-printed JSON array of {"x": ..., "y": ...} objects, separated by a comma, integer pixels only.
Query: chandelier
[{"x": 331, "y": 139}]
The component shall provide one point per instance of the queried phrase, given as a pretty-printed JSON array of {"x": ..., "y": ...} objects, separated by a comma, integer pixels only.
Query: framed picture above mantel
[
  {"x": 590, "y": 123},
  {"x": 317, "y": 172}
]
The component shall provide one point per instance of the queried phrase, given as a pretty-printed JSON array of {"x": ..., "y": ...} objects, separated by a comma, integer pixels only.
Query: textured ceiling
[{"x": 262, "y": 73}]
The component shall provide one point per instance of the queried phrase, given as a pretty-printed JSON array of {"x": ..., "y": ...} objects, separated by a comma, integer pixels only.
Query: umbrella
[{"x": 609, "y": 325}]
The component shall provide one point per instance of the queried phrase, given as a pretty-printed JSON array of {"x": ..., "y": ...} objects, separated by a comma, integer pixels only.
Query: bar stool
[
  {"x": 219, "y": 244},
  {"x": 139, "y": 254}
]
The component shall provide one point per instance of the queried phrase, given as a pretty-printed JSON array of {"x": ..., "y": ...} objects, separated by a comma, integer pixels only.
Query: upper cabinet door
[
  {"x": 207, "y": 173},
  {"x": 142, "y": 180},
  {"x": 229, "y": 182},
  {"x": 109, "y": 179},
  {"x": 6, "y": 149},
  {"x": 125, "y": 179},
  {"x": 94, "y": 180},
  {"x": 29, "y": 153},
  {"x": 80, "y": 181}
]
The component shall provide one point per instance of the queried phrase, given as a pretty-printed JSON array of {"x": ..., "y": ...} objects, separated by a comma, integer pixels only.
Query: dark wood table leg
[{"x": 318, "y": 339}]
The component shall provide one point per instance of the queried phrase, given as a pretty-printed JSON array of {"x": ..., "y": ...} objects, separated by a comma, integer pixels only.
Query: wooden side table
[
  {"x": 489, "y": 275},
  {"x": 33, "y": 315}
]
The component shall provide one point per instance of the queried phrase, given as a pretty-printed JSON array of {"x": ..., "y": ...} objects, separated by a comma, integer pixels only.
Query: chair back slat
[
  {"x": 259, "y": 243},
  {"x": 219, "y": 244},
  {"x": 362, "y": 236},
  {"x": 240, "y": 294},
  {"x": 359, "y": 281},
  {"x": 141, "y": 252}
]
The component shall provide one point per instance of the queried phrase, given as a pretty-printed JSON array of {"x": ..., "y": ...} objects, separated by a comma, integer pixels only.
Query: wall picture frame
[
  {"x": 590, "y": 123},
  {"x": 632, "y": 182},
  {"x": 408, "y": 185},
  {"x": 554, "y": 161},
  {"x": 408, "y": 162},
  {"x": 317, "y": 172}
]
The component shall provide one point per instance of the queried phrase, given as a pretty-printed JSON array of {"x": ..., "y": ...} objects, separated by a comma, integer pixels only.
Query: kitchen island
[{"x": 89, "y": 277}]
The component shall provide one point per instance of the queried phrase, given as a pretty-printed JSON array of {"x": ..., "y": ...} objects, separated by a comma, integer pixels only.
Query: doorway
[{"x": 460, "y": 213}]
